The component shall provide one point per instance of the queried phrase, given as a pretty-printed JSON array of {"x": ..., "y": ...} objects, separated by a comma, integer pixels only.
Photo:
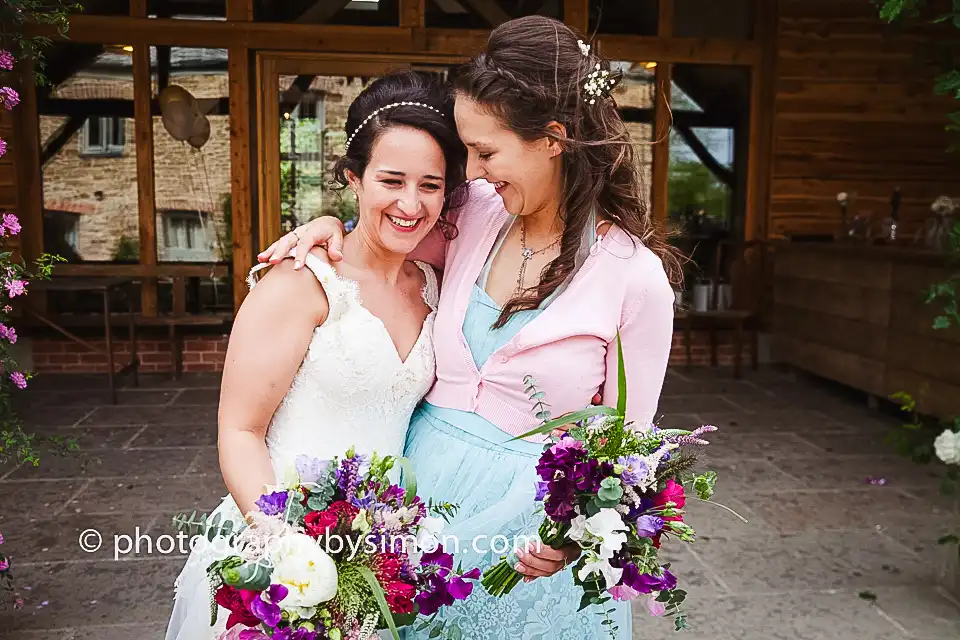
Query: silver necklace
[{"x": 528, "y": 253}]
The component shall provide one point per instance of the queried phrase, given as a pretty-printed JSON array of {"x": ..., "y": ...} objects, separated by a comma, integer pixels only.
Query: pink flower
[
  {"x": 4, "y": 564},
  {"x": 19, "y": 379},
  {"x": 623, "y": 592},
  {"x": 655, "y": 608},
  {"x": 10, "y": 334},
  {"x": 10, "y": 222},
  {"x": 3, "y": 147},
  {"x": 16, "y": 287},
  {"x": 7, "y": 308},
  {"x": 6, "y": 60},
  {"x": 9, "y": 98},
  {"x": 672, "y": 492},
  {"x": 1, "y": 538}
]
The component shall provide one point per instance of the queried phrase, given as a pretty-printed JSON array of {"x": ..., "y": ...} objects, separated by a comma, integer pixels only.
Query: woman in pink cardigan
[{"x": 555, "y": 254}]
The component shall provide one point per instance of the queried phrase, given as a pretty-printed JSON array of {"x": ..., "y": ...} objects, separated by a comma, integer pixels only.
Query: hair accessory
[
  {"x": 384, "y": 108},
  {"x": 599, "y": 83},
  {"x": 584, "y": 48}
]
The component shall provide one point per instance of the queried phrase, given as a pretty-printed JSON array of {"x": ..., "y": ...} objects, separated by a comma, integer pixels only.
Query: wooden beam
[
  {"x": 28, "y": 175},
  {"x": 107, "y": 269},
  {"x": 703, "y": 154},
  {"x": 576, "y": 14},
  {"x": 685, "y": 118},
  {"x": 680, "y": 50},
  {"x": 762, "y": 114},
  {"x": 352, "y": 39},
  {"x": 321, "y": 11},
  {"x": 663, "y": 77},
  {"x": 163, "y": 67},
  {"x": 413, "y": 14},
  {"x": 488, "y": 10},
  {"x": 146, "y": 204},
  {"x": 63, "y": 135},
  {"x": 114, "y": 107}
]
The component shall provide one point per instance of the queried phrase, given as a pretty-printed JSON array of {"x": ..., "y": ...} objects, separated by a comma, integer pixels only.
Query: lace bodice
[{"x": 352, "y": 388}]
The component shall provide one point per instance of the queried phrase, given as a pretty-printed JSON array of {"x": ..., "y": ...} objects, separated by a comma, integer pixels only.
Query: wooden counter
[{"x": 857, "y": 314}]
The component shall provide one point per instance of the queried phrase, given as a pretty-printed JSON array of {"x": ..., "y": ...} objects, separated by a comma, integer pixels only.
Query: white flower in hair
[
  {"x": 598, "y": 84},
  {"x": 584, "y": 48}
]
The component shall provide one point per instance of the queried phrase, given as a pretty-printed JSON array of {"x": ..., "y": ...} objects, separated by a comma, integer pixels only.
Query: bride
[{"x": 355, "y": 353}]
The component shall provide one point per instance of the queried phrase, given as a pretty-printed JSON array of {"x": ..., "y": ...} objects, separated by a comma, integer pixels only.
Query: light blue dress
[{"x": 462, "y": 458}]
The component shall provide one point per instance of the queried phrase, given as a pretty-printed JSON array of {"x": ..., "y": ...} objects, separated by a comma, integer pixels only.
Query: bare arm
[
  {"x": 328, "y": 231},
  {"x": 260, "y": 365}
]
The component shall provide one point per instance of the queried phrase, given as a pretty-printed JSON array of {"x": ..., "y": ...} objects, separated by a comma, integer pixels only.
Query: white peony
[
  {"x": 947, "y": 446},
  {"x": 305, "y": 570},
  {"x": 605, "y": 526},
  {"x": 595, "y": 564},
  {"x": 428, "y": 533}
]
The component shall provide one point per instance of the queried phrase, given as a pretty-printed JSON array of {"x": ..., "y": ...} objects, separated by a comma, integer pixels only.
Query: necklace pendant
[{"x": 527, "y": 253}]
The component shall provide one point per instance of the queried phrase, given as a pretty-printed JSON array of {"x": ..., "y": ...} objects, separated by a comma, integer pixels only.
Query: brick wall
[{"x": 204, "y": 354}]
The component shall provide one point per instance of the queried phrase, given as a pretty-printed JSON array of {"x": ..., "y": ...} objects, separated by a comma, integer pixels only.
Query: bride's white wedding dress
[{"x": 352, "y": 390}]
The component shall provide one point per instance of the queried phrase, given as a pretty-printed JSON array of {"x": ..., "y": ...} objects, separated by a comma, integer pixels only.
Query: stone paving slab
[{"x": 793, "y": 455}]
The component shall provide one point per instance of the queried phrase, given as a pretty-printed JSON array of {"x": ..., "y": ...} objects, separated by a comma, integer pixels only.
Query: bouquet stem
[{"x": 501, "y": 578}]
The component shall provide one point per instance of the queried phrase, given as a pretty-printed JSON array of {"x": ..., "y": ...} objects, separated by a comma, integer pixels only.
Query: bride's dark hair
[
  {"x": 533, "y": 73},
  {"x": 398, "y": 87}
]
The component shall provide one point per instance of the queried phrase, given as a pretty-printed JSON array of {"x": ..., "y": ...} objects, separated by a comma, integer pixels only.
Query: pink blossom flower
[
  {"x": 11, "y": 223},
  {"x": 9, "y": 98},
  {"x": 16, "y": 287},
  {"x": 1, "y": 538},
  {"x": 7, "y": 308},
  {"x": 10, "y": 334},
  {"x": 623, "y": 592},
  {"x": 6, "y": 60},
  {"x": 4, "y": 565},
  {"x": 19, "y": 379},
  {"x": 655, "y": 608},
  {"x": 3, "y": 147}
]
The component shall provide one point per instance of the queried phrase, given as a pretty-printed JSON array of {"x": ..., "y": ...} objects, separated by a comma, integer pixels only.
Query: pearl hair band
[{"x": 384, "y": 108}]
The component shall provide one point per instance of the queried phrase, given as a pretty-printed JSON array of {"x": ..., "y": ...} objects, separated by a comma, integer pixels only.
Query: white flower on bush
[
  {"x": 947, "y": 446},
  {"x": 596, "y": 564},
  {"x": 305, "y": 570},
  {"x": 605, "y": 527}
]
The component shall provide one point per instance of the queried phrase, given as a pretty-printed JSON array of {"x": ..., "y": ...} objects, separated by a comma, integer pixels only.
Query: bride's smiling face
[{"x": 401, "y": 191}]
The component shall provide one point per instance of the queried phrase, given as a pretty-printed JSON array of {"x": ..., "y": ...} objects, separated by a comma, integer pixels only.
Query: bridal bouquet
[
  {"x": 335, "y": 552},
  {"x": 617, "y": 491}
]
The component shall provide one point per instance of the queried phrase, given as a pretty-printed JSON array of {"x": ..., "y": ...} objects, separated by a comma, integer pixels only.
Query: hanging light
[
  {"x": 649, "y": 65},
  {"x": 127, "y": 48}
]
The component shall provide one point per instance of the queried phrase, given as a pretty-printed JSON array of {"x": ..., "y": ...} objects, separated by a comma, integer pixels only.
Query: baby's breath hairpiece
[
  {"x": 584, "y": 48},
  {"x": 374, "y": 113},
  {"x": 599, "y": 84}
]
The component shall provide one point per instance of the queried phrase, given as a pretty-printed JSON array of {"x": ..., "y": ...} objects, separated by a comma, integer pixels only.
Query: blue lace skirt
[{"x": 459, "y": 457}]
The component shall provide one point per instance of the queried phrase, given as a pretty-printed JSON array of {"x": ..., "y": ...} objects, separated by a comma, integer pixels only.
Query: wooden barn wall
[
  {"x": 856, "y": 112},
  {"x": 8, "y": 186}
]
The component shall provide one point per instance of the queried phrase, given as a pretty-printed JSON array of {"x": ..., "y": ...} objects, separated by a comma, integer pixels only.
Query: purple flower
[
  {"x": 8, "y": 333},
  {"x": 310, "y": 469},
  {"x": 648, "y": 526},
  {"x": 9, "y": 98},
  {"x": 3, "y": 147},
  {"x": 393, "y": 493},
  {"x": 350, "y": 474},
  {"x": 541, "y": 489},
  {"x": 16, "y": 288},
  {"x": 459, "y": 588},
  {"x": 437, "y": 558},
  {"x": 4, "y": 564},
  {"x": 434, "y": 594},
  {"x": 1, "y": 538},
  {"x": 645, "y": 582},
  {"x": 265, "y": 606},
  {"x": 588, "y": 475},
  {"x": 11, "y": 223},
  {"x": 6, "y": 60},
  {"x": 560, "y": 457},
  {"x": 634, "y": 469},
  {"x": 19, "y": 379},
  {"x": 293, "y": 634},
  {"x": 560, "y": 501},
  {"x": 272, "y": 504}
]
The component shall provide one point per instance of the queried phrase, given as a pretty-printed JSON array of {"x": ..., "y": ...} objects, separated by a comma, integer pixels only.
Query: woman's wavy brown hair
[{"x": 532, "y": 74}]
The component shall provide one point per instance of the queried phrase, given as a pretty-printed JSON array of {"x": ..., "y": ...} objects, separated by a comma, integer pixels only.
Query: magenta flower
[
  {"x": 19, "y": 379},
  {"x": 16, "y": 288},
  {"x": 266, "y": 608},
  {"x": 6, "y": 60},
  {"x": 9, "y": 98},
  {"x": 10, "y": 334},
  {"x": 3, "y": 147},
  {"x": 623, "y": 593},
  {"x": 1, "y": 538},
  {"x": 11, "y": 223},
  {"x": 4, "y": 565}
]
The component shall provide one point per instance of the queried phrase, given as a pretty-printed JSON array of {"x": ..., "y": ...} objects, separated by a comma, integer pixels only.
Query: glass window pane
[
  {"x": 371, "y": 13},
  {"x": 714, "y": 19},
  {"x": 633, "y": 17},
  {"x": 635, "y": 100},
  {"x": 89, "y": 190}
]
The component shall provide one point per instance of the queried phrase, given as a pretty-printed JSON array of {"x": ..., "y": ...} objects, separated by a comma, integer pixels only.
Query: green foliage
[
  {"x": 691, "y": 184},
  {"x": 15, "y": 14},
  {"x": 128, "y": 250}
]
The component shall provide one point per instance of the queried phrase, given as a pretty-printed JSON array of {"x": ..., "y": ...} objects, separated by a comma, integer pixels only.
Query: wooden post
[
  {"x": 241, "y": 123},
  {"x": 25, "y": 147},
  {"x": 576, "y": 14},
  {"x": 659, "y": 195},
  {"x": 143, "y": 135},
  {"x": 762, "y": 112}
]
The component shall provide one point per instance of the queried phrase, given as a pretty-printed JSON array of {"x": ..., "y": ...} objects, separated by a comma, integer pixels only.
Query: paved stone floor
[{"x": 793, "y": 457}]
